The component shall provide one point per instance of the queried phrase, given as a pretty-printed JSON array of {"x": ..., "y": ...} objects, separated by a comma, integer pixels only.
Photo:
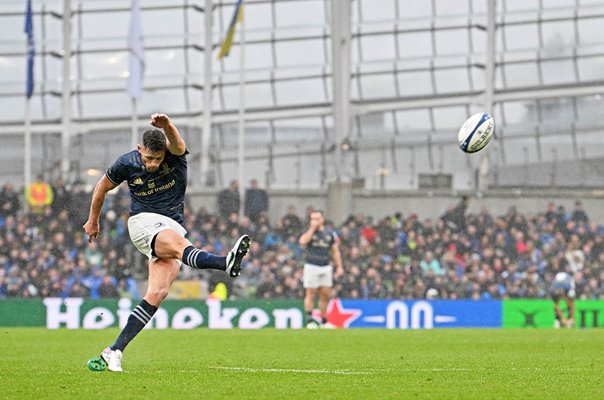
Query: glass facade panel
[{"x": 418, "y": 68}]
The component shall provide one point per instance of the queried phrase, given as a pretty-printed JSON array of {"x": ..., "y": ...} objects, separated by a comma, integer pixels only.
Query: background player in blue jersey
[
  {"x": 156, "y": 173},
  {"x": 321, "y": 245}
]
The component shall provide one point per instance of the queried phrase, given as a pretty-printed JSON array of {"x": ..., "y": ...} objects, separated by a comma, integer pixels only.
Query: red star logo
[{"x": 337, "y": 315}]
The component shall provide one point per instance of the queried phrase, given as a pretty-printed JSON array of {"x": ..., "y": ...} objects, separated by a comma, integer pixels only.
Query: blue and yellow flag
[
  {"x": 226, "y": 44},
  {"x": 31, "y": 50}
]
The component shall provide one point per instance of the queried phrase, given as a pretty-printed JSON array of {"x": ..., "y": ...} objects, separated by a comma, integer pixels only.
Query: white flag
[{"x": 137, "y": 52}]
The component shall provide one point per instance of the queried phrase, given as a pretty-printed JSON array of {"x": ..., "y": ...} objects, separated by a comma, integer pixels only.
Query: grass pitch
[{"x": 303, "y": 364}]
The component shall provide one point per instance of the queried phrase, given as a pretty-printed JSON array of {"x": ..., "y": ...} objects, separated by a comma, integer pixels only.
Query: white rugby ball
[{"x": 476, "y": 132}]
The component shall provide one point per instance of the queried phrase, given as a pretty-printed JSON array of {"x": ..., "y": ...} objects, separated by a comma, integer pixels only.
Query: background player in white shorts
[
  {"x": 156, "y": 173},
  {"x": 321, "y": 245},
  {"x": 563, "y": 287}
]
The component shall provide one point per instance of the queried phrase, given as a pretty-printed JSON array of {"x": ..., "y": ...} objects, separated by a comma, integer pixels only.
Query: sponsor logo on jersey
[{"x": 137, "y": 182}]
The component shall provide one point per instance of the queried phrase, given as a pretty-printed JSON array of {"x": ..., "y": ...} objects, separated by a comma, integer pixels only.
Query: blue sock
[
  {"x": 136, "y": 322},
  {"x": 202, "y": 260}
]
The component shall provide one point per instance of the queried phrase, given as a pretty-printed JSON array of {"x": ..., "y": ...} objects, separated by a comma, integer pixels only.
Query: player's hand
[
  {"x": 339, "y": 272},
  {"x": 314, "y": 224},
  {"x": 92, "y": 229},
  {"x": 160, "y": 120}
]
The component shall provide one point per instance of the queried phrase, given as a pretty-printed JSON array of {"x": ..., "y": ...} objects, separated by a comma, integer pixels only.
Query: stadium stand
[{"x": 476, "y": 255}]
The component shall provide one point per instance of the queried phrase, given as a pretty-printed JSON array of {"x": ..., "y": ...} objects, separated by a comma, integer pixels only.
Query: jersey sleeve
[
  {"x": 117, "y": 172},
  {"x": 335, "y": 237},
  {"x": 180, "y": 160},
  {"x": 181, "y": 157}
]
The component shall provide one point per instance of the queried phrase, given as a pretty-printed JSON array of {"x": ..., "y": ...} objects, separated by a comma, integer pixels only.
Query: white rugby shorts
[
  {"x": 144, "y": 226},
  {"x": 316, "y": 276}
]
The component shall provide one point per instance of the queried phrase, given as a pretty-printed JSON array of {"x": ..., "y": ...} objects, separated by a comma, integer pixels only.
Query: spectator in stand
[
  {"x": 498, "y": 257},
  {"x": 80, "y": 203},
  {"x": 292, "y": 225},
  {"x": 62, "y": 196},
  {"x": 9, "y": 201},
  {"x": 550, "y": 214},
  {"x": 127, "y": 287},
  {"x": 429, "y": 264},
  {"x": 256, "y": 201},
  {"x": 228, "y": 200},
  {"x": 107, "y": 290},
  {"x": 561, "y": 219},
  {"x": 579, "y": 214},
  {"x": 121, "y": 199},
  {"x": 39, "y": 195},
  {"x": 456, "y": 216},
  {"x": 368, "y": 232}
]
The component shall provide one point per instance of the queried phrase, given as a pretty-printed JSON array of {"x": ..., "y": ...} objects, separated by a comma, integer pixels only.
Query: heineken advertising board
[{"x": 74, "y": 313}]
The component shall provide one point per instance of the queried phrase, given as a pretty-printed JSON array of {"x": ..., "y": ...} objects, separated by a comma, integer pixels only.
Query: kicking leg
[{"x": 169, "y": 244}]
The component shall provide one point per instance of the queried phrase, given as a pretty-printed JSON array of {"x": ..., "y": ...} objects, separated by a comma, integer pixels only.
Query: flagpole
[
  {"x": 66, "y": 93},
  {"x": 29, "y": 89},
  {"x": 206, "y": 131},
  {"x": 133, "y": 124},
  {"x": 241, "y": 118},
  {"x": 27, "y": 161},
  {"x": 136, "y": 68}
]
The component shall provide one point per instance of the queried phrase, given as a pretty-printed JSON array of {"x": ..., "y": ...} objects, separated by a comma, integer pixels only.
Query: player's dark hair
[{"x": 154, "y": 140}]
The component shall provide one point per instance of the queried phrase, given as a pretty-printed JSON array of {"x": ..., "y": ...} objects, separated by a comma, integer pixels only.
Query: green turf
[{"x": 343, "y": 364}]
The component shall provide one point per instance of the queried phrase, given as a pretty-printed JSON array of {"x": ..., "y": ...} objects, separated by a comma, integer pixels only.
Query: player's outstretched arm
[
  {"x": 92, "y": 226},
  {"x": 176, "y": 145}
]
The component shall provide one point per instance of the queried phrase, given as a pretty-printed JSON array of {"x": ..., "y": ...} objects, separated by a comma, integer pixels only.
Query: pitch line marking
[
  {"x": 337, "y": 372},
  {"x": 306, "y": 371}
]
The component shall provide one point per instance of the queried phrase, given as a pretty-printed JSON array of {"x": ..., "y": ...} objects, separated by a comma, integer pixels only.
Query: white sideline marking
[
  {"x": 307, "y": 371},
  {"x": 435, "y": 369},
  {"x": 336, "y": 372}
]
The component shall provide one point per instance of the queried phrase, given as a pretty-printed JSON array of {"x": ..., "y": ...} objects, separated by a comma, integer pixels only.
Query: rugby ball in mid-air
[{"x": 476, "y": 132}]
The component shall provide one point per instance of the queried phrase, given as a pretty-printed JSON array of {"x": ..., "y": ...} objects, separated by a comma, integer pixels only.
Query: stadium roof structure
[{"x": 373, "y": 94}]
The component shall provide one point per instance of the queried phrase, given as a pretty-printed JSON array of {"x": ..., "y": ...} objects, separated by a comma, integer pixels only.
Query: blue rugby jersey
[
  {"x": 161, "y": 192},
  {"x": 318, "y": 250}
]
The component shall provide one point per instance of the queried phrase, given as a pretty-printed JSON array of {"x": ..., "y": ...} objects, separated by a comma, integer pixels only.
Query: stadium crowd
[{"x": 44, "y": 252}]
